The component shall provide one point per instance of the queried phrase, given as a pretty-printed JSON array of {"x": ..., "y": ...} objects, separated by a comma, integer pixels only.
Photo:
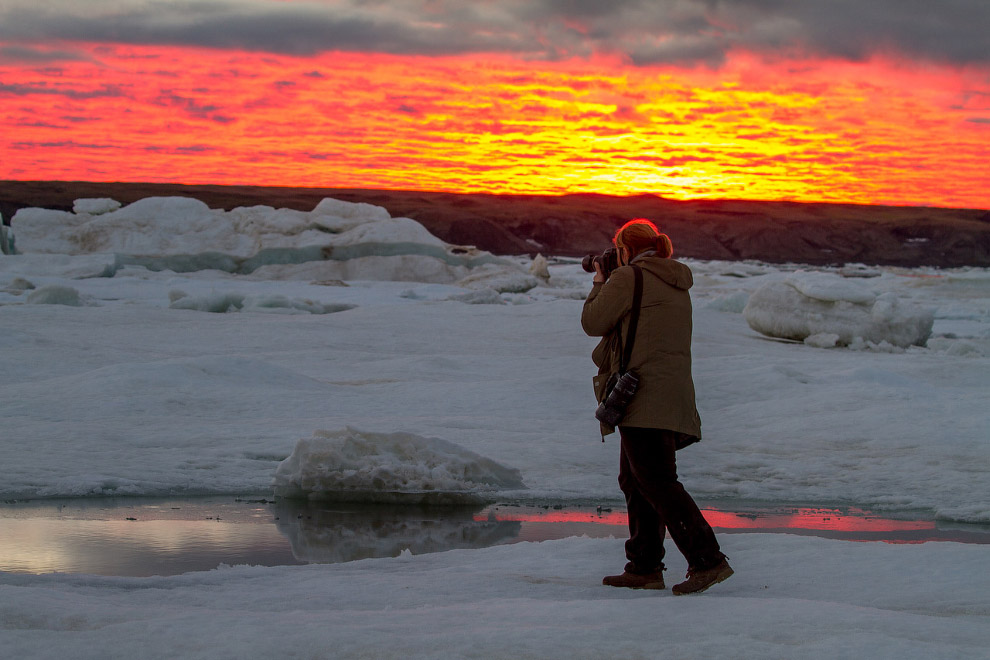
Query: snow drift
[
  {"x": 825, "y": 310},
  {"x": 352, "y": 465}
]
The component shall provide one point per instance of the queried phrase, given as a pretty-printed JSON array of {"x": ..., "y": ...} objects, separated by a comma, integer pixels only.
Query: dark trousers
[{"x": 656, "y": 500}]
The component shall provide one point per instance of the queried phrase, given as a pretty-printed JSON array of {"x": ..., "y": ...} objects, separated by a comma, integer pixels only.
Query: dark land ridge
[{"x": 578, "y": 224}]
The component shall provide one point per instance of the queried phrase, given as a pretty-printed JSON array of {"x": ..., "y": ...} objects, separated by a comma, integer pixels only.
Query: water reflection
[
  {"x": 135, "y": 548},
  {"x": 147, "y": 536},
  {"x": 850, "y": 524},
  {"x": 321, "y": 532}
]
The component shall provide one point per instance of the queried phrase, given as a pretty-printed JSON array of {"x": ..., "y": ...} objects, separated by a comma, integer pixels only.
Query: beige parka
[{"x": 661, "y": 354}]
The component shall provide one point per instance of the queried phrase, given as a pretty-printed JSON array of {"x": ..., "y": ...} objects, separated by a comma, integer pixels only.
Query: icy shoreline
[
  {"x": 113, "y": 386},
  {"x": 164, "y": 383}
]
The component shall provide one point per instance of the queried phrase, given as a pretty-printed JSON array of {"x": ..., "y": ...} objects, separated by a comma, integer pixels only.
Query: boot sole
[{"x": 722, "y": 576}]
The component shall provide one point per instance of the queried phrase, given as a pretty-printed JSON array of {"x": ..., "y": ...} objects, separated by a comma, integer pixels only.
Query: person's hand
[{"x": 599, "y": 275}]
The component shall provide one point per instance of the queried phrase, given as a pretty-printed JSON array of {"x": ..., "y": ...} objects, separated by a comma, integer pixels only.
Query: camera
[
  {"x": 613, "y": 408},
  {"x": 609, "y": 260}
]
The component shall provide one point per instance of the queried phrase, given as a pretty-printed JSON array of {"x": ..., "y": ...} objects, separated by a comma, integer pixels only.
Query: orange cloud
[{"x": 868, "y": 132}]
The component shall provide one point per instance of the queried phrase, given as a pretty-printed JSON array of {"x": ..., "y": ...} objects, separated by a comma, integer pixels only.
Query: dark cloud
[
  {"x": 644, "y": 31},
  {"x": 947, "y": 30},
  {"x": 62, "y": 144},
  {"x": 15, "y": 54},
  {"x": 190, "y": 149},
  {"x": 42, "y": 88},
  {"x": 192, "y": 107}
]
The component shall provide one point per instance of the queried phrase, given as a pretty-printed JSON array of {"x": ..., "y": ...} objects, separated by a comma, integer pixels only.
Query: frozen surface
[
  {"x": 133, "y": 392},
  {"x": 791, "y": 597},
  {"x": 137, "y": 391}
]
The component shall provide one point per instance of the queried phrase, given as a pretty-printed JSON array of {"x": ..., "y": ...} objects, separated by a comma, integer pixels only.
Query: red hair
[{"x": 640, "y": 234}]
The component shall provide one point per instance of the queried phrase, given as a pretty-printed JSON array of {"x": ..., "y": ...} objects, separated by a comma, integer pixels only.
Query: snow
[
  {"x": 388, "y": 381},
  {"x": 791, "y": 597}
]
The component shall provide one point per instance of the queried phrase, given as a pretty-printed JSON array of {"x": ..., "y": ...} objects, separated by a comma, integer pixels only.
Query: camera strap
[{"x": 633, "y": 319}]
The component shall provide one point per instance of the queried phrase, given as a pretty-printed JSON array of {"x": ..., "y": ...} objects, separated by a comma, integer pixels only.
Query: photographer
[{"x": 661, "y": 416}]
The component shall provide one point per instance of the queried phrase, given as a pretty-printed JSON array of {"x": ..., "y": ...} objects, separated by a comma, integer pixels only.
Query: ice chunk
[
  {"x": 55, "y": 294},
  {"x": 184, "y": 235},
  {"x": 504, "y": 278},
  {"x": 279, "y": 304},
  {"x": 800, "y": 307},
  {"x": 217, "y": 303},
  {"x": 61, "y": 265},
  {"x": 19, "y": 285},
  {"x": 480, "y": 297},
  {"x": 347, "y": 210},
  {"x": 540, "y": 268},
  {"x": 222, "y": 303},
  {"x": 822, "y": 340},
  {"x": 6, "y": 239},
  {"x": 731, "y": 302},
  {"x": 830, "y": 288},
  {"x": 396, "y": 268},
  {"x": 46, "y": 231},
  {"x": 95, "y": 206},
  {"x": 358, "y": 466}
]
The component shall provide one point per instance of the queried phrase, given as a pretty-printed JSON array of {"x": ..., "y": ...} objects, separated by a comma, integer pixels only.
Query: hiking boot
[
  {"x": 697, "y": 581},
  {"x": 635, "y": 580}
]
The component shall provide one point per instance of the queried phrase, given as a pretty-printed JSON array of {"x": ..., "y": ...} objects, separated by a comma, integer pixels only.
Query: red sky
[{"x": 884, "y": 127}]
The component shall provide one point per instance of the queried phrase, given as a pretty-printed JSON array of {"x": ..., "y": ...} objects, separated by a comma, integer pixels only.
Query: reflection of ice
[{"x": 325, "y": 533}]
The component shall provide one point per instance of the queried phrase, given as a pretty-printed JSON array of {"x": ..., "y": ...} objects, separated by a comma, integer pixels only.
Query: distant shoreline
[{"x": 578, "y": 224}]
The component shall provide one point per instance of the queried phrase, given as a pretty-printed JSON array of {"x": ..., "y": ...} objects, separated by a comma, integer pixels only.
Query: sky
[{"x": 880, "y": 102}]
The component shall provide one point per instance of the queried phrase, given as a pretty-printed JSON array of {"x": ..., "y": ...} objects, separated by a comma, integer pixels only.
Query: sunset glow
[
  {"x": 797, "y": 519},
  {"x": 878, "y": 130}
]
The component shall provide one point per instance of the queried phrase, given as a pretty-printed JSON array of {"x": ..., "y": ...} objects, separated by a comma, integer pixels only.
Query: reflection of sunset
[
  {"x": 870, "y": 132},
  {"x": 35, "y": 545},
  {"x": 810, "y": 519}
]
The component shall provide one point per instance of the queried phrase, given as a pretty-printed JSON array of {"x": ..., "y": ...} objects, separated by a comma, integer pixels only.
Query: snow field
[
  {"x": 791, "y": 597},
  {"x": 198, "y": 403}
]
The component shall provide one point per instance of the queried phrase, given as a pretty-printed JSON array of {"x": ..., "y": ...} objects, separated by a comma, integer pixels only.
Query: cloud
[
  {"x": 192, "y": 107},
  {"x": 42, "y": 88},
  {"x": 14, "y": 54},
  {"x": 61, "y": 144},
  {"x": 179, "y": 149},
  {"x": 643, "y": 31}
]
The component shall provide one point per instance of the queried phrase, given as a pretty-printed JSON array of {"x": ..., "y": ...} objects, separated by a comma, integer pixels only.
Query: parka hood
[{"x": 672, "y": 272}]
